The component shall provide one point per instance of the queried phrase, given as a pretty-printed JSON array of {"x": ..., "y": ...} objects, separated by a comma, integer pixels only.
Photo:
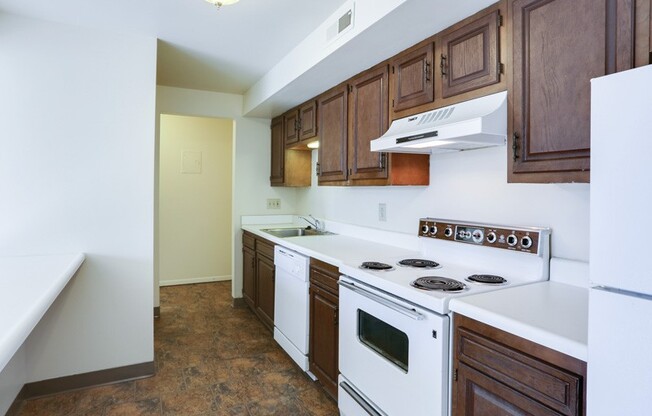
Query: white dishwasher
[{"x": 291, "y": 304}]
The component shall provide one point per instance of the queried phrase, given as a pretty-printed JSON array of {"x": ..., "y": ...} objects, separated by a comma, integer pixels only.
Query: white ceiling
[
  {"x": 199, "y": 47},
  {"x": 242, "y": 48}
]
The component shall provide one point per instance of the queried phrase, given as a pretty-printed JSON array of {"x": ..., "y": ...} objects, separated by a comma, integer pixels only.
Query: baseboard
[
  {"x": 14, "y": 409},
  {"x": 157, "y": 311},
  {"x": 92, "y": 379},
  {"x": 192, "y": 280}
]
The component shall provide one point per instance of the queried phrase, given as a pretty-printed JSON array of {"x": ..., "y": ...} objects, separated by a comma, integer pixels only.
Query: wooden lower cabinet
[
  {"x": 497, "y": 373},
  {"x": 258, "y": 277},
  {"x": 265, "y": 278},
  {"x": 324, "y": 325}
]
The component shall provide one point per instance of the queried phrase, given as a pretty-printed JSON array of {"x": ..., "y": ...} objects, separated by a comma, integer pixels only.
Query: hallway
[{"x": 211, "y": 360}]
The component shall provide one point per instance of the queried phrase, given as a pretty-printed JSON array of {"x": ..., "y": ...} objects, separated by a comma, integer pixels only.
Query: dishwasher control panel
[{"x": 503, "y": 237}]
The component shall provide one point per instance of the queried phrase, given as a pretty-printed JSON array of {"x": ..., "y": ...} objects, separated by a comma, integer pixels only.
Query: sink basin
[{"x": 295, "y": 232}]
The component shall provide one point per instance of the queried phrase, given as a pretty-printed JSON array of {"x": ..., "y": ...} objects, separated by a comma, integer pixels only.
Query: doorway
[{"x": 194, "y": 203}]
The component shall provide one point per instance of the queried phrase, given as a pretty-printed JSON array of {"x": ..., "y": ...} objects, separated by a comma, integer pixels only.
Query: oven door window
[{"x": 383, "y": 338}]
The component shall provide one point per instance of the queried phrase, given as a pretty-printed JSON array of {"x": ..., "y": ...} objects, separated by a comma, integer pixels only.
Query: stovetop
[{"x": 463, "y": 253}]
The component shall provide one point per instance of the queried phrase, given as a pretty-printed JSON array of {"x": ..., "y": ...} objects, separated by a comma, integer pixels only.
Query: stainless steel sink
[{"x": 295, "y": 232}]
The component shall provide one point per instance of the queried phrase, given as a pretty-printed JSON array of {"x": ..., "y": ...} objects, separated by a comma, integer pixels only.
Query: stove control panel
[{"x": 519, "y": 239}]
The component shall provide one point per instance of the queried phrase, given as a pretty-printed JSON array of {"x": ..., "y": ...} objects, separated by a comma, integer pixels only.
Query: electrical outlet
[
  {"x": 273, "y": 203},
  {"x": 382, "y": 212}
]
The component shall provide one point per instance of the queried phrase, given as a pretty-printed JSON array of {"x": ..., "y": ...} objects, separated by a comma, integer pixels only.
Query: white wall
[
  {"x": 77, "y": 115},
  {"x": 465, "y": 186},
  {"x": 12, "y": 378},
  {"x": 251, "y": 153},
  {"x": 195, "y": 243}
]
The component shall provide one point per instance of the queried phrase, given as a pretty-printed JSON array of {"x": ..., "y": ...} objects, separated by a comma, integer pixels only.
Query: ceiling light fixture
[{"x": 220, "y": 3}]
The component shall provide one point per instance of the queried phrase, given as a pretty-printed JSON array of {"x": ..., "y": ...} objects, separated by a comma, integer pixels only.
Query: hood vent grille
[
  {"x": 473, "y": 124},
  {"x": 436, "y": 115}
]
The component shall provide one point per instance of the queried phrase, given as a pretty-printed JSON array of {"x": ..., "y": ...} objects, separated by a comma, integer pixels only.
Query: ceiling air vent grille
[
  {"x": 342, "y": 23},
  {"x": 437, "y": 115}
]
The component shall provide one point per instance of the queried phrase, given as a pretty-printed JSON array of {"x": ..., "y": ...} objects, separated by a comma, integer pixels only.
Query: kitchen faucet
[{"x": 315, "y": 223}]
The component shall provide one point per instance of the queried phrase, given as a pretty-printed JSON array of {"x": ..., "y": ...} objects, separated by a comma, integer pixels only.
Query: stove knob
[
  {"x": 526, "y": 242},
  {"x": 433, "y": 230},
  {"x": 448, "y": 232},
  {"x": 512, "y": 240},
  {"x": 491, "y": 237},
  {"x": 478, "y": 236},
  {"x": 424, "y": 229}
]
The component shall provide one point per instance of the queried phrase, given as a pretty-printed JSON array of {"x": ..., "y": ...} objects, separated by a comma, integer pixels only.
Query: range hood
[{"x": 473, "y": 124}]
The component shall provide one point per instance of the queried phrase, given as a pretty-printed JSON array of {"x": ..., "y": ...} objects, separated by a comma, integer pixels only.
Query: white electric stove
[{"x": 395, "y": 331}]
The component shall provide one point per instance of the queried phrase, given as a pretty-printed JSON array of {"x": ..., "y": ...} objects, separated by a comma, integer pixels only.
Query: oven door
[{"x": 393, "y": 352}]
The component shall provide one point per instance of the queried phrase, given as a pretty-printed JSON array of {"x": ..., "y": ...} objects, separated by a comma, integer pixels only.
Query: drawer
[
  {"x": 248, "y": 240},
  {"x": 265, "y": 248},
  {"x": 324, "y": 275}
]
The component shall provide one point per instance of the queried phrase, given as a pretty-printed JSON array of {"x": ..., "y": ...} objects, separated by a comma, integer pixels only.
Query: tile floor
[{"x": 211, "y": 360}]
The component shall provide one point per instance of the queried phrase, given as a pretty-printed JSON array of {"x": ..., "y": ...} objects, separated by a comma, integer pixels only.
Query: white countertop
[
  {"x": 28, "y": 286},
  {"x": 551, "y": 314},
  {"x": 335, "y": 249}
]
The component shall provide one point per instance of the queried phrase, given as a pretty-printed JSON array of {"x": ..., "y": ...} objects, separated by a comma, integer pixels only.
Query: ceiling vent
[{"x": 342, "y": 23}]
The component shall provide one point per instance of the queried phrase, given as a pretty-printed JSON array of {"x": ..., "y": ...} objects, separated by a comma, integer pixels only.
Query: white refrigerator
[{"x": 619, "y": 380}]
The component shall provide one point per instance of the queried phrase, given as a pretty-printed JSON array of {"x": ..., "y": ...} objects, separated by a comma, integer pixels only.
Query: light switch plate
[{"x": 382, "y": 212}]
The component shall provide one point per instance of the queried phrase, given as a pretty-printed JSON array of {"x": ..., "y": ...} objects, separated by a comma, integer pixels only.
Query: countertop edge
[{"x": 18, "y": 333}]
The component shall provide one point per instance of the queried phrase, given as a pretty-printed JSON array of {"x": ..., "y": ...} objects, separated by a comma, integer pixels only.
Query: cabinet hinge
[
  {"x": 317, "y": 170},
  {"x": 392, "y": 103},
  {"x": 502, "y": 68},
  {"x": 383, "y": 160},
  {"x": 500, "y": 20},
  {"x": 455, "y": 375},
  {"x": 336, "y": 319}
]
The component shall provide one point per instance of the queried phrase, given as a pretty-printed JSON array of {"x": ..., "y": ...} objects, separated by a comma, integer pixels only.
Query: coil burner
[
  {"x": 442, "y": 284},
  {"x": 420, "y": 263},
  {"x": 488, "y": 279},
  {"x": 375, "y": 265}
]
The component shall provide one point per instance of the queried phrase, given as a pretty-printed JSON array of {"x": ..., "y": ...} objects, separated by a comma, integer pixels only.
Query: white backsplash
[{"x": 468, "y": 186}]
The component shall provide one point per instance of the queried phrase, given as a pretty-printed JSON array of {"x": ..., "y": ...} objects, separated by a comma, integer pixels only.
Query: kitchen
[{"x": 469, "y": 177}]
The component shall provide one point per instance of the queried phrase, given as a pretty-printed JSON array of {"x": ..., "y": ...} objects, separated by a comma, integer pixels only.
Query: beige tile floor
[{"x": 211, "y": 360}]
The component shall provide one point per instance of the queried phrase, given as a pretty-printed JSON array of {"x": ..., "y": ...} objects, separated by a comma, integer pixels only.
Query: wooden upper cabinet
[
  {"x": 333, "y": 132},
  {"x": 643, "y": 27},
  {"x": 469, "y": 55},
  {"x": 412, "y": 77},
  {"x": 308, "y": 120},
  {"x": 276, "y": 176},
  {"x": 557, "y": 47},
  {"x": 292, "y": 127},
  {"x": 368, "y": 120},
  {"x": 288, "y": 167}
]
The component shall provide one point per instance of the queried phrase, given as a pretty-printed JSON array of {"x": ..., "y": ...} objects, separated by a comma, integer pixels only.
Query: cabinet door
[
  {"x": 333, "y": 135},
  {"x": 557, "y": 47},
  {"x": 368, "y": 115},
  {"x": 469, "y": 56},
  {"x": 324, "y": 338},
  {"x": 249, "y": 277},
  {"x": 278, "y": 153},
  {"x": 412, "y": 78},
  {"x": 265, "y": 290},
  {"x": 291, "y": 127},
  {"x": 308, "y": 120}
]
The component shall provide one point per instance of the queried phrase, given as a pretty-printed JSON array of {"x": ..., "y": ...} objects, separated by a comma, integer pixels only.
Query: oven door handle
[
  {"x": 359, "y": 400},
  {"x": 410, "y": 313}
]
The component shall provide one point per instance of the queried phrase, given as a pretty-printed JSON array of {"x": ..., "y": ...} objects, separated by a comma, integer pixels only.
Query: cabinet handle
[
  {"x": 383, "y": 160},
  {"x": 442, "y": 65},
  {"x": 426, "y": 69},
  {"x": 515, "y": 146}
]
